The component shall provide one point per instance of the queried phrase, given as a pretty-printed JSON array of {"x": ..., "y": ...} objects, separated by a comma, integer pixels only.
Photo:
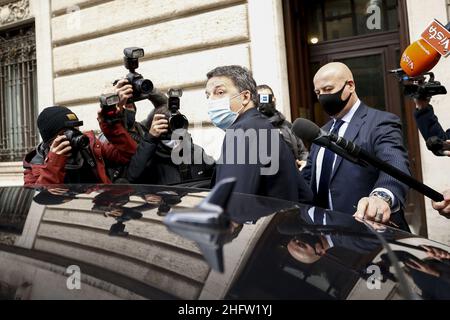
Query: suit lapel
[
  {"x": 353, "y": 128},
  {"x": 314, "y": 151}
]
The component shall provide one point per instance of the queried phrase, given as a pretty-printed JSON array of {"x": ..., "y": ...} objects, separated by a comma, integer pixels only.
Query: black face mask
[
  {"x": 267, "y": 109},
  {"x": 333, "y": 103},
  {"x": 130, "y": 118}
]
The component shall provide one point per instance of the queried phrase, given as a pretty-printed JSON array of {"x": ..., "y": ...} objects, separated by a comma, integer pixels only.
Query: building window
[
  {"x": 337, "y": 19},
  {"x": 18, "y": 93}
]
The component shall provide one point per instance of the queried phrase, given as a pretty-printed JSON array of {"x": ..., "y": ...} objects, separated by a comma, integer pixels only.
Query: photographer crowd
[
  {"x": 131, "y": 152},
  {"x": 67, "y": 155}
]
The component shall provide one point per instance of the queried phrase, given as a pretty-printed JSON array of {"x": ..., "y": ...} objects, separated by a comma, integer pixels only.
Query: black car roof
[{"x": 116, "y": 235}]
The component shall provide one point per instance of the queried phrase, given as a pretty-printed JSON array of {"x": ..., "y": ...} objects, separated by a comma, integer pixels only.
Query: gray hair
[{"x": 241, "y": 77}]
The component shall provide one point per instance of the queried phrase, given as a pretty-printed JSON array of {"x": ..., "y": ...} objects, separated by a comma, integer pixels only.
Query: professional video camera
[
  {"x": 420, "y": 87},
  {"x": 141, "y": 87}
]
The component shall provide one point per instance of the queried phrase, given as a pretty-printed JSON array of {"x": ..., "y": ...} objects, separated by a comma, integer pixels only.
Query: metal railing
[{"x": 18, "y": 93}]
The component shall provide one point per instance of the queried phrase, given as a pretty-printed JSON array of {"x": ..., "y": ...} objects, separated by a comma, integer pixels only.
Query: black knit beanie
[{"x": 53, "y": 119}]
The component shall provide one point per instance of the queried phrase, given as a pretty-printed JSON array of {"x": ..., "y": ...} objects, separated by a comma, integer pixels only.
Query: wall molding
[{"x": 12, "y": 12}]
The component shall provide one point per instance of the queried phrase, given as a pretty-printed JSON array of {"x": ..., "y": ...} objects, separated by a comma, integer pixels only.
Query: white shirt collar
[{"x": 349, "y": 115}]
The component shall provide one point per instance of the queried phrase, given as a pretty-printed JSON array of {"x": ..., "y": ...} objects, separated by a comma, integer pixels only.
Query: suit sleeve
[
  {"x": 120, "y": 147},
  {"x": 388, "y": 146},
  {"x": 429, "y": 125},
  {"x": 305, "y": 193},
  {"x": 247, "y": 175}
]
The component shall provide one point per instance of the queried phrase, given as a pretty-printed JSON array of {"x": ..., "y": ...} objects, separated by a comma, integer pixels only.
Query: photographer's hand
[
  {"x": 443, "y": 207},
  {"x": 160, "y": 125},
  {"x": 124, "y": 90},
  {"x": 61, "y": 146},
  {"x": 301, "y": 164},
  {"x": 422, "y": 103},
  {"x": 446, "y": 148}
]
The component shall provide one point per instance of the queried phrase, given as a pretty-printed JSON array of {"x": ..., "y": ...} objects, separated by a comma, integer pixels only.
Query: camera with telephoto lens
[
  {"x": 78, "y": 141},
  {"x": 176, "y": 119},
  {"x": 141, "y": 87},
  {"x": 420, "y": 87}
]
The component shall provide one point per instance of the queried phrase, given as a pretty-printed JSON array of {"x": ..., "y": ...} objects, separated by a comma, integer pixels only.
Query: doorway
[{"x": 319, "y": 32}]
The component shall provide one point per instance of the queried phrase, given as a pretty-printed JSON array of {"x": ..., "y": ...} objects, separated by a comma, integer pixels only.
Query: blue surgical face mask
[{"x": 220, "y": 112}]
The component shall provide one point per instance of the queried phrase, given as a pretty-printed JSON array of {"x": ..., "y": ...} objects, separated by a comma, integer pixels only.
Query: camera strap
[
  {"x": 140, "y": 130},
  {"x": 140, "y": 134},
  {"x": 87, "y": 156},
  {"x": 75, "y": 162}
]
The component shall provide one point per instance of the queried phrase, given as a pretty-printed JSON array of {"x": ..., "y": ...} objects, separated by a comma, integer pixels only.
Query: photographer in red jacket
[{"x": 67, "y": 155}]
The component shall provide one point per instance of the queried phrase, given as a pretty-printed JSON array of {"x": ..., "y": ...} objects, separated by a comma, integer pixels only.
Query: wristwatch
[{"x": 383, "y": 196}]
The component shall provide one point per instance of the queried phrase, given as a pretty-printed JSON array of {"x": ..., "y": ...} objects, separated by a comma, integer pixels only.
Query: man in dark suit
[
  {"x": 253, "y": 150},
  {"x": 341, "y": 185}
]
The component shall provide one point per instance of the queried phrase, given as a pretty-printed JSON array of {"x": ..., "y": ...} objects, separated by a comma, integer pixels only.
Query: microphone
[
  {"x": 310, "y": 132},
  {"x": 420, "y": 57}
]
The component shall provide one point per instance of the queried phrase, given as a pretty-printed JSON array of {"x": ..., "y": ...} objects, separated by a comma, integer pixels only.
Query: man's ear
[
  {"x": 247, "y": 98},
  {"x": 351, "y": 83}
]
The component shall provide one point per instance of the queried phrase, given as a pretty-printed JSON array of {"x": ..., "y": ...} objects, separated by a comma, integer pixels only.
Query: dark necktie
[{"x": 325, "y": 175}]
